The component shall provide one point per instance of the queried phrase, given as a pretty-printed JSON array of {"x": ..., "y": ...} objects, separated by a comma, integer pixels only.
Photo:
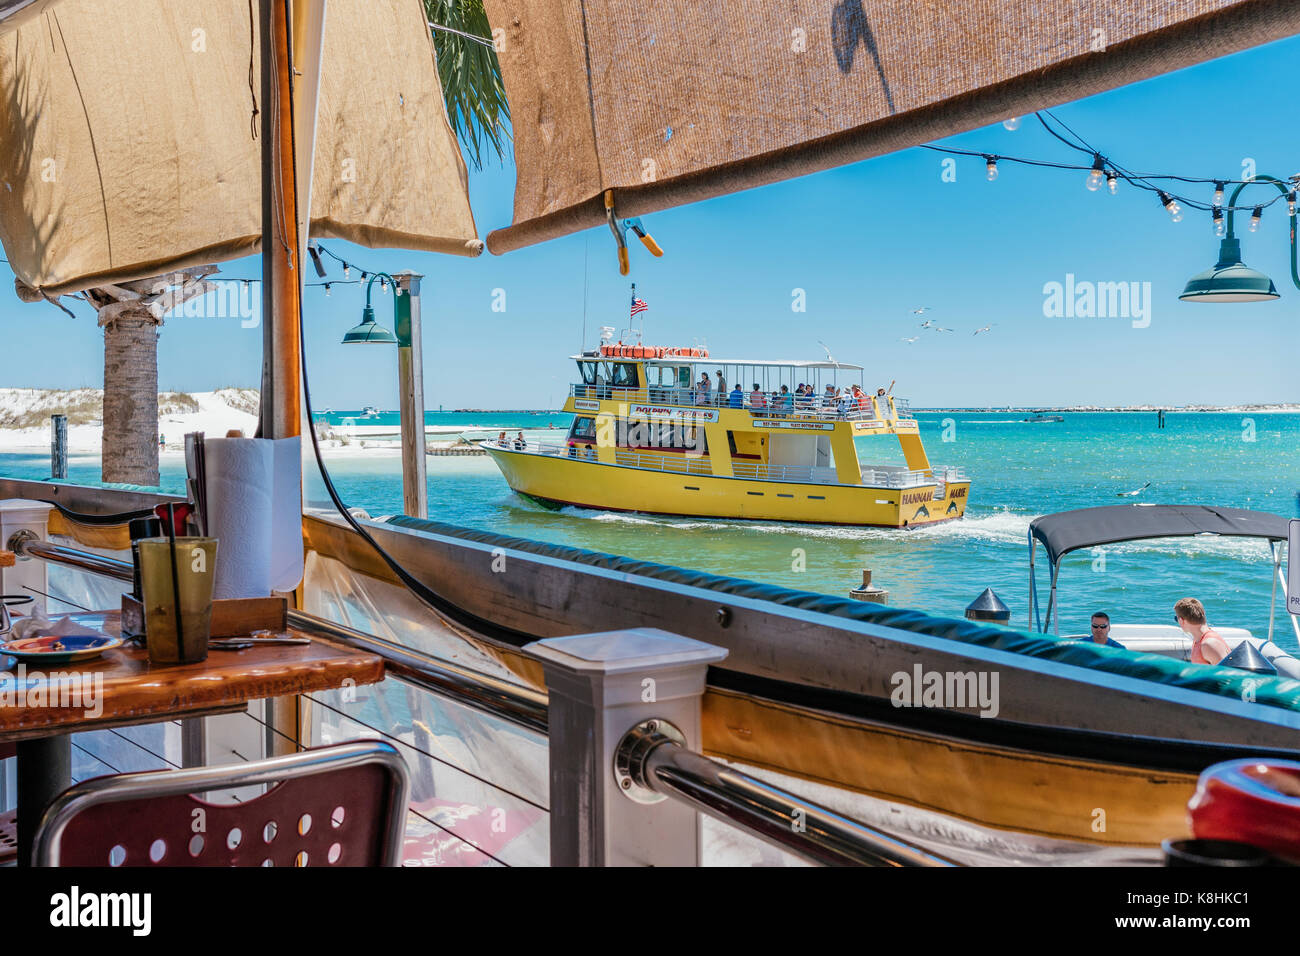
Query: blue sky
[{"x": 867, "y": 243}]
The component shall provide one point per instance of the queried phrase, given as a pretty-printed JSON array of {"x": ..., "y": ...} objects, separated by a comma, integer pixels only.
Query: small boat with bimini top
[
  {"x": 651, "y": 433},
  {"x": 1068, "y": 531}
]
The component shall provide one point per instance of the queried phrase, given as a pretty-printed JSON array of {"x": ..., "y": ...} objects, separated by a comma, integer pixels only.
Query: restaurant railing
[{"x": 649, "y": 757}]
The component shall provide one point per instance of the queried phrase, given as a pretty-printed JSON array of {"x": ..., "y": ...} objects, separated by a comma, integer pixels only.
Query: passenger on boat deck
[
  {"x": 503, "y": 441},
  {"x": 785, "y": 399},
  {"x": 721, "y": 388},
  {"x": 861, "y": 398},
  {"x": 1101, "y": 631},
  {"x": 828, "y": 400},
  {"x": 756, "y": 398},
  {"x": 736, "y": 399},
  {"x": 591, "y": 453},
  {"x": 702, "y": 390},
  {"x": 1207, "y": 646},
  {"x": 521, "y": 441}
]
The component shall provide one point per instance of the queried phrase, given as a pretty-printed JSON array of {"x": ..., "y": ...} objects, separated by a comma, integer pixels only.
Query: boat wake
[{"x": 1000, "y": 528}]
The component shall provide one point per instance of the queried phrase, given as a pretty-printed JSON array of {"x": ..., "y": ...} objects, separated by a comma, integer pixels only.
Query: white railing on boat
[
  {"x": 774, "y": 406},
  {"x": 683, "y": 463},
  {"x": 886, "y": 476},
  {"x": 794, "y": 473},
  {"x": 873, "y": 476}
]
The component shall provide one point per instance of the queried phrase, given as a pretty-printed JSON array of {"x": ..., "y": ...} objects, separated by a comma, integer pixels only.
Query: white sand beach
[{"x": 25, "y": 416}]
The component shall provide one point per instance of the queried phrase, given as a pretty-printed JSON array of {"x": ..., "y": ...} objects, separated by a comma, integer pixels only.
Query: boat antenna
[{"x": 586, "y": 245}]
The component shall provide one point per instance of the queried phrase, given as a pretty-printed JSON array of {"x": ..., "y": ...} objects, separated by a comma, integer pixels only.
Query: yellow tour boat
[{"x": 653, "y": 433}]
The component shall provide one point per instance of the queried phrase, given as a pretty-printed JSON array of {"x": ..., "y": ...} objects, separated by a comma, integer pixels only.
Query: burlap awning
[
  {"x": 128, "y": 149},
  {"x": 673, "y": 102}
]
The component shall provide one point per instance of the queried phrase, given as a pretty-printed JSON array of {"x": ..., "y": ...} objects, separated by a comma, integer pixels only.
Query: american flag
[{"x": 638, "y": 305}]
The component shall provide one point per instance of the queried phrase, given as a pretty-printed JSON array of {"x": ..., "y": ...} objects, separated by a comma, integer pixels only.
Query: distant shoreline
[
  {"x": 1167, "y": 409},
  {"x": 994, "y": 410}
]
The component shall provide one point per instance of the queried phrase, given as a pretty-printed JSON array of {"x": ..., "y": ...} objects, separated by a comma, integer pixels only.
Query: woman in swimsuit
[{"x": 1207, "y": 646}]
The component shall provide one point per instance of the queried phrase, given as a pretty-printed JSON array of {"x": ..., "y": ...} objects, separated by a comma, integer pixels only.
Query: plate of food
[{"x": 60, "y": 648}]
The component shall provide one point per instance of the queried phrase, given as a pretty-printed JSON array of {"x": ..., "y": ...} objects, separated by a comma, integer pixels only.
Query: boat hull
[{"x": 610, "y": 487}]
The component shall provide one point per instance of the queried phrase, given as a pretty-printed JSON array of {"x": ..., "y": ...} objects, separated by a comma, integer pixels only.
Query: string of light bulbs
[
  {"x": 326, "y": 285},
  {"x": 1103, "y": 169},
  {"x": 347, "y": 272}
]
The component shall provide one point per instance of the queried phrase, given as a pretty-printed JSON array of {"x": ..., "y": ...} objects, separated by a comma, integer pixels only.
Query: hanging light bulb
[
  {"x": 1219, "y": 231},
  {"x": 327, "y": 289},
  {"x": 1112, "y": 181},
  {"x": 347, "y": 270},
  {"x": 1012, "y": 124},
  {"x": 1290, "y": 204},
  {"x": 1218, "y": 194},
  {"x": 991, "y": 164},
  {"x": 1095, "y": 175},
  {"x": 383, "y": 284},
  {"x": 1255, "y": 217},
  {"x": 1171, "y": 205}
]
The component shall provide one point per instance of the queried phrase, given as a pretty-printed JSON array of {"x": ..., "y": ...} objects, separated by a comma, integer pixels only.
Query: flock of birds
[
  {"x": 930, "y": 324},
  {"x": 935, "y": 327}
]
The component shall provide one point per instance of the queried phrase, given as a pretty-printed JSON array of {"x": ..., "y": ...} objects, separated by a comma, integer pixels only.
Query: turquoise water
[{"x": 1018, "y": 471}]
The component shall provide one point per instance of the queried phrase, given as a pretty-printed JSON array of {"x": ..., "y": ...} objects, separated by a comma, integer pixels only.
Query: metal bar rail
[
  {"x": 783, "y": 819},
  {"x": 25, "y": 544},
  {"x": 799, "y": 826}
]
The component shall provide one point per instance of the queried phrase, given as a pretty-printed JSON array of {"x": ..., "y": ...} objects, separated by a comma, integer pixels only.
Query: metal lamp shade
[
  {"x": 1230, "y": 280},
  {"x": 369, "y": 332}
]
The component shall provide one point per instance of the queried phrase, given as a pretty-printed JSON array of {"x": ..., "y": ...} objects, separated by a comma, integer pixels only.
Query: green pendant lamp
[
  {"x": 1229, "y": 280},
  {"x": 369, "y": 332}
]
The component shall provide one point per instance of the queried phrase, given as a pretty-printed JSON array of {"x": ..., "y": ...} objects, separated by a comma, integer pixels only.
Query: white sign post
[{"x": 1293, "y": 566}]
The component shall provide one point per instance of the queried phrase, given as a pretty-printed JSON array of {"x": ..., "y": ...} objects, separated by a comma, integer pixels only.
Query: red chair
[{"x": 343, "y": 805}]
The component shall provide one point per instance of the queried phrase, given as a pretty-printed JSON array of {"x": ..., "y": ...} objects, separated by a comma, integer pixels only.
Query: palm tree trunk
[{"x": 130, "y": 439}]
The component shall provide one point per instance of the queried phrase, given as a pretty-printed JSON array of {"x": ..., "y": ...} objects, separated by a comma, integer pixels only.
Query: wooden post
[
  {"x": 281, "y": 413},
  {"x": 59, "y": 447},
  {"x": 410, "y": 375}
]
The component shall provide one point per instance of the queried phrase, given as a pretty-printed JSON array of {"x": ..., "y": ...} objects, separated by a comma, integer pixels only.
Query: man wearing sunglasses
[{"x": 1101, "y": 631}]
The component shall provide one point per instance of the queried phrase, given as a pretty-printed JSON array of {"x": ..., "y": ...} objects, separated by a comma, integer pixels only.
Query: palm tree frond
[{"x": 471, "y": 79}]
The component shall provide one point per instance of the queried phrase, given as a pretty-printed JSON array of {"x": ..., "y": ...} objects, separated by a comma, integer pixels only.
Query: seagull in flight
[
  {"x": 985, "y": 329},
  {"x": 1134, "y": 493},
  {"x": 940, "y": 328},
  {"x": 910, "y": 340},
  {"x": 921, "y": 311},
  {"x": 830, "y": 358}
]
